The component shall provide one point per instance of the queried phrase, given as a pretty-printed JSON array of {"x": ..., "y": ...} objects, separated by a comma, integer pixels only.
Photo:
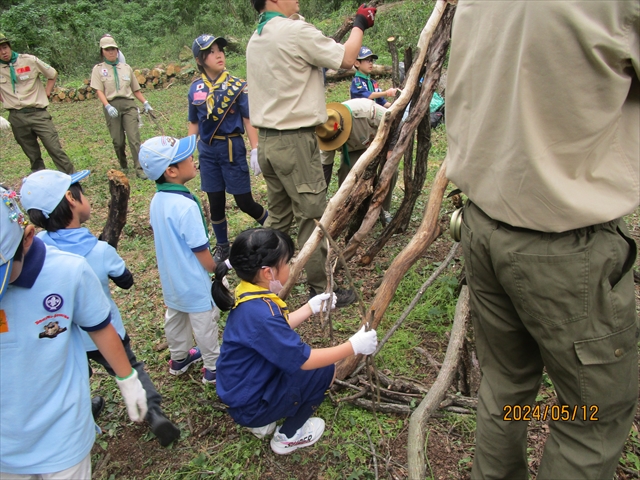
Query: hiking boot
[
  {"x": 262, "y": 432},
  {"x": 208, "y": 376},
  {"x": 385, "y": 218},
  {"x": 221, "y": 252},
  {"x": 344, "y": 297},
  {"x": 97, "y": 405},
  {"x": 162, "y": 427},
  {"x": 179, "y": 367},
  {"x": 140, "y": 174},
  {"x": 306, "y": 436}
]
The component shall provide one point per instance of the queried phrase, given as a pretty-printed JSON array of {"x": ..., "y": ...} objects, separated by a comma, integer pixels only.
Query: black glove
[{"x": 364, "y": 17}]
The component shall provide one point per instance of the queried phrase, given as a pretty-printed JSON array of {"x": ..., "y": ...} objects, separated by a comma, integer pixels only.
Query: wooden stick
[{"x": 118, "y": 203}]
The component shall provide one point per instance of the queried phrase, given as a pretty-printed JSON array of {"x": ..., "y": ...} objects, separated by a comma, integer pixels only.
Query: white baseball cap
[{"x": 45, "y": 189}]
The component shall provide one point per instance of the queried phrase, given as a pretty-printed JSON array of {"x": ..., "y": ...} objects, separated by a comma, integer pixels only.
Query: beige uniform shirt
[
  {"x": 102, "y": 79},
  {"x": 367, "y": 116},
  {"x": 30, "y": 91},
  {"x": 543, "y": 110},
  {"x": 284, "y": 74}
]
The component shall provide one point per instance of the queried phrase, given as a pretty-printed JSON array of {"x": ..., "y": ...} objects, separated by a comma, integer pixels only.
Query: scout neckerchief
[
  {"x": 367, "y": 78},
  {"x": 176, "y": 188},
  {"x": 115, "y": 72},
  {"x": 264, "y": 17},
  {"x": 345, "y": 150},
  {"x": 248, "y": 291},
  {"x": 217, "y": 110},
  {"x": 12, "y": 70}
]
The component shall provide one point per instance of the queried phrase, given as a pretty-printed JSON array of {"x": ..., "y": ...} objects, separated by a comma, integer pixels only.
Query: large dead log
[
  {"x": 342, "y": 73},
  {"x": 117, "y": 216},
  {"x": 418, "y": 420},
  {"x": 438, "y": 48},
  {"x": 424, "y": 236},
  {"x": 336, "y": 204}
]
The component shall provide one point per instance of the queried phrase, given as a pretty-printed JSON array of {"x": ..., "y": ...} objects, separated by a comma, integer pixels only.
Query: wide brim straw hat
[{"x": 335, "y": 132}]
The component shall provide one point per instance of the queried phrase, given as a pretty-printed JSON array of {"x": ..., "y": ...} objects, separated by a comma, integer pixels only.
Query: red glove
[{"x": 364, "y": 17}]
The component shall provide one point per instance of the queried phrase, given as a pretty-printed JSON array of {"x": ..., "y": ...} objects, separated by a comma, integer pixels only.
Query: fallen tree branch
[
  {"x": 419, "y": 418},
  {"x": 118, "y": 204}
]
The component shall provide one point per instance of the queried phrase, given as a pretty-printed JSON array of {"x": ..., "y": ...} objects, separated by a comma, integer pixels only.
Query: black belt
[
  {"x": 27, "y": 110},
  {"x": 271, "y": 132}
]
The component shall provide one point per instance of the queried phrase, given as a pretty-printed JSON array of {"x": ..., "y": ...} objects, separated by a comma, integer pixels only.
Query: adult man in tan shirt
[
  {"x": 543, "y": 126},
  {"x": 23, "y": 94},
  {"x": 285, "y": 57}
]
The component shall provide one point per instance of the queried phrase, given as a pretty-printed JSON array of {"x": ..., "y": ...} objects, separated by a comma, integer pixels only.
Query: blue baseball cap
[
  {"x": 365, "y": 52},
  {"x": 12, "y": 222},
  {"x": 205, "y": 41},
  {"x": 157, "y": 153},
  {"x": 45, "y": 189}
]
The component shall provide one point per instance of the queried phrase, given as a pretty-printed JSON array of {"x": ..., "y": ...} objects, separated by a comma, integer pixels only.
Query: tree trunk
[
  {"x": 342, "y": 73},
  {"x": 117, "y": 216}
]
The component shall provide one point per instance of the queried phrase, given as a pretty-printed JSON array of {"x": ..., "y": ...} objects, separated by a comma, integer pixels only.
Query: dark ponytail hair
[{"x": 251, "y": 250}]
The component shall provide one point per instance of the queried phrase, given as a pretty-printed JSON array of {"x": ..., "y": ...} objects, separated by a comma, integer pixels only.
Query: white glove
[
  {"x": 364, "y": 342},
  {"x": 135, "y": 398},
  {"x": 4, "y": 124},
  {"x": 316, "y": 302},
  {"x": 111, "y": 110},
  {"x": 255, "y": 166},
  {"x": 147, "y": 107}
]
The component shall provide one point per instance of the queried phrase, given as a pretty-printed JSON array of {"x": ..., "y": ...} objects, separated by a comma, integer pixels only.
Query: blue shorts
[
  {"x": 295, "y": 390},
  {"x": 218, "y": 173}
]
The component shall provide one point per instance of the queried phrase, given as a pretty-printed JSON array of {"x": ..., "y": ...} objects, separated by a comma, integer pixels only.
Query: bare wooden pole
[{"x": 418, "y": 419}]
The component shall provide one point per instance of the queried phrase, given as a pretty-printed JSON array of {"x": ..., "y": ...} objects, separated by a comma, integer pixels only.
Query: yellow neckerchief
[
  {"x": 248, "y": 291},
  {"x": 211, "y": 100}
]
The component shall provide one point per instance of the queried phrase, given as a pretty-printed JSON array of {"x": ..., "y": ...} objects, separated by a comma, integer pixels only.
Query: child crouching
[{"x": 265, "y": 371}]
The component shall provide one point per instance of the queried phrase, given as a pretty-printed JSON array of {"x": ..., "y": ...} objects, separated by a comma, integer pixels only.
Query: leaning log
[
  {"x": 342, "y": 73},
  {"x": 419, "y": 418},
  {"x": 118, "y": 203}
]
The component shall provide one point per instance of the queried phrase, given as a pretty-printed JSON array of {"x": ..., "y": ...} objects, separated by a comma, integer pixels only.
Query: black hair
[
  {"x": 202, "y": 56},
  {"x": 18, "y": 255},
  {"x": 161, "y": 179},
  {"x": 61, "y": 216},
  {"x": 251, "y": 250},
  {"x": 258, "y": 4}
]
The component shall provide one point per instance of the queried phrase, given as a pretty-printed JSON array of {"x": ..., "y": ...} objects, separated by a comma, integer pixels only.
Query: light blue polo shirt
[
  {"x": 104, "y": 261},
  {"x": 45, "y": 406},
  {"x": 178, "y": 232}
]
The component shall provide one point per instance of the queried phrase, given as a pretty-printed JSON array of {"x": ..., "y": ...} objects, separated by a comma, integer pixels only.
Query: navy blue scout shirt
[
  {"x": 259, "y": 353},
  {"x": 198, "y": 111},
  {"x": 361, "y": 89}
]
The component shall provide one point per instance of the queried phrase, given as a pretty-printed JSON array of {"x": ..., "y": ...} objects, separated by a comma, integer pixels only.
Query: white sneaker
[
  {"x": 306, "y": 435},
  {"x": 262, "y": 432}
]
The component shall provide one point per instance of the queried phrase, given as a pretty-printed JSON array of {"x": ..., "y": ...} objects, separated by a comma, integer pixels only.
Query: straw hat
[{"x": 335, "y": 132}]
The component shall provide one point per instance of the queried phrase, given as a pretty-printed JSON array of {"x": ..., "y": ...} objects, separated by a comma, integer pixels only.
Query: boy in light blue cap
[
  {"x": 46, "y": 297},
  {"x": 183, "y": 255},
  {"x": 56, "y": 202}
]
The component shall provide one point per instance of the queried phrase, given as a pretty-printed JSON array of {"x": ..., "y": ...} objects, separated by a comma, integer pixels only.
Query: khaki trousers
[
  {"x": 28, "y": 125},
  {"x": 565, "y": 302},
  {"x": 180, "y": 328},
  {"x": 125, "y": 123},
  {"x": 290, "y": 163}
]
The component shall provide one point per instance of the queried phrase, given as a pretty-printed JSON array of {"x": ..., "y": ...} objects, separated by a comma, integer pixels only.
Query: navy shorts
[
  {"x": 295, "y": 390},
  {"x": 223, "y": 166}
]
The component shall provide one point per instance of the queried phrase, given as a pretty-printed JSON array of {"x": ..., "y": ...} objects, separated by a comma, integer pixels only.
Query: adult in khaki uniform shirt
[
  {"x": 543, "y": 125},
  {"x": 23, "y": 94},
  {"x": 116, "y": 86},
  {"x": 362, "y": 116},
  {"x": 285, "y": 57}
]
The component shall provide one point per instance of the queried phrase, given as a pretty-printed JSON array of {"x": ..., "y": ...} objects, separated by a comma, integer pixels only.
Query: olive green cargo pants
[
  {"x": 125, "y": 122},
  {"x": 29, "y": 124},
  {"x": 563, "y": 301},
  {"x": 290, "y": 163}
]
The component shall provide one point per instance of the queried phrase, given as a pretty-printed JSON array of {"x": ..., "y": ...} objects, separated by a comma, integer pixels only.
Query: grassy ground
[{"x": 211, "y": 444}]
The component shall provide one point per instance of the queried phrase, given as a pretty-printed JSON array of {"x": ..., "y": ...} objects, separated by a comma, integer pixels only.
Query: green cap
[{"x": 3, "y": 39}]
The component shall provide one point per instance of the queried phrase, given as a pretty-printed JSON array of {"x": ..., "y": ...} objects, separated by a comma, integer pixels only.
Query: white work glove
[
  {"x": 147, "y": 107},
  {"x": 316, "y": 302},
  {"x": 135, "y": 398},
  {"x": 364, "y": 342},
  {"x": 4, "y": 124},
  {"x": 111, "y": 110},
  {"x": 255, "y": 166}
]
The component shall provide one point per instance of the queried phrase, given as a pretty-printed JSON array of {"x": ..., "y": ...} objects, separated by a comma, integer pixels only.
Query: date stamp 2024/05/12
[{"x": 563, "y": 413}]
